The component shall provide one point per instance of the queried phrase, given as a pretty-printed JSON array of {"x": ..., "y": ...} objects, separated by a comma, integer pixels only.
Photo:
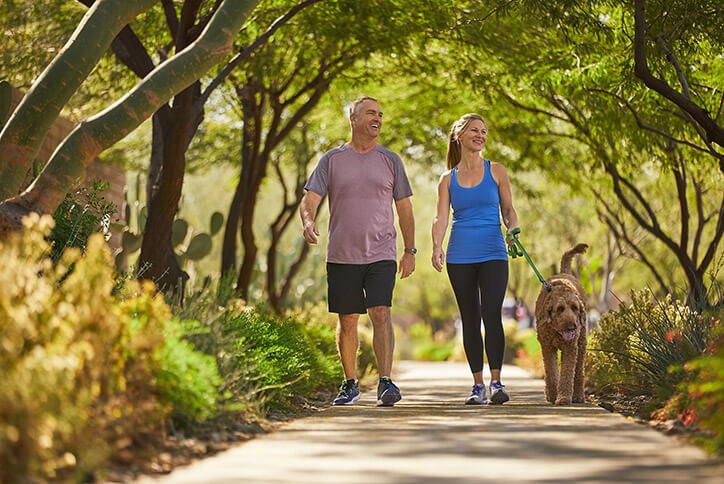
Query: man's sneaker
[
  {"x": 498, "y": 395},
  {"x": 387, "y": 393},
  {"x": 477, "y": 396},
  {"x": 348, "y": 393}
]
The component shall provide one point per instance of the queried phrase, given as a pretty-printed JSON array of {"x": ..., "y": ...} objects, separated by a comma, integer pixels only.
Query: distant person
[
  {"x": 362, "y": 179},
  {"x": 477, "y": 260}
]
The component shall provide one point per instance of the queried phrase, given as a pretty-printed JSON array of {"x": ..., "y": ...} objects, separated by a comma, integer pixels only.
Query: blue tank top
[{"x": 476, "y": 235}]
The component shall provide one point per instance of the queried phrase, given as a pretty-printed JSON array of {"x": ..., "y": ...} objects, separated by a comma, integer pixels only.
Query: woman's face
[{"x": 474, "y": 136}]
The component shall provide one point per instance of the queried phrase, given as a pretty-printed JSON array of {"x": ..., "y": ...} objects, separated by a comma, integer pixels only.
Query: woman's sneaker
[
  {"x": 498, "y": 395},
  {"x": 477, "y": 396},
  {"x": 387, "y": 393},
  {"x": 348, "y": 393}
]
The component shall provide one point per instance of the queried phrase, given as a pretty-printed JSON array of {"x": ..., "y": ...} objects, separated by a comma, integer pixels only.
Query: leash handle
[
  {"x": 516, "y": 249},
  {"x": 513, "y": 249}
]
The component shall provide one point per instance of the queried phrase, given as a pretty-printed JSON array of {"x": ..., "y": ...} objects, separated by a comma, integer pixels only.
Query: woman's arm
[
  {"x": 439, "y": 223},
  {"x": 510, "y": 216}
]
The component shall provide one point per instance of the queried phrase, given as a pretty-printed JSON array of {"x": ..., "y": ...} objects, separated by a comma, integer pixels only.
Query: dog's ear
[
  {"x": 543, "y": 320},
  {"x": 547, "y": 313},
  {"x": 582, "y": 314}
]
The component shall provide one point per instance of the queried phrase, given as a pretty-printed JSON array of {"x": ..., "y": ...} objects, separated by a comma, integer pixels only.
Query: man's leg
[
  {"x": 383, "y": 339},
  {"x": 348, "y": 344}
]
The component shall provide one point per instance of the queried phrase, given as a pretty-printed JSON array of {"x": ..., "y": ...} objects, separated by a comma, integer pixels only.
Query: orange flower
[
  {"x": 688, "y": 416},
  {"x": 673, "y": 335}
]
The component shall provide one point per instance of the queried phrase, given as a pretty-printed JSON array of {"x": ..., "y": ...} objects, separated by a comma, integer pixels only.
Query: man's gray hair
[{"x": 354, "y": 106}]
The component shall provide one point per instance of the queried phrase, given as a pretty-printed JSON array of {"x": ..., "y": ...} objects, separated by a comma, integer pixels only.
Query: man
[{"x": 362, "y": 179}]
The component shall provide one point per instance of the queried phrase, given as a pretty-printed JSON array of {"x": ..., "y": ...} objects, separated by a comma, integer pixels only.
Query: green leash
[{"x": 516, "y": 249}]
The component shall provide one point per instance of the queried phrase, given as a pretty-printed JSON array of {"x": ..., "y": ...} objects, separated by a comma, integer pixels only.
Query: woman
[{"x": 477, "y": 259}]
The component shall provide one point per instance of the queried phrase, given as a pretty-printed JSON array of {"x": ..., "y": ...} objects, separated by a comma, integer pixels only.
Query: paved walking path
[{"x": 431, "y": 437}]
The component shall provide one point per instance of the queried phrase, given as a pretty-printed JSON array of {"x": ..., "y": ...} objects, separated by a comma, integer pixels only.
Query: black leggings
[{"x": 479, "y": 289}]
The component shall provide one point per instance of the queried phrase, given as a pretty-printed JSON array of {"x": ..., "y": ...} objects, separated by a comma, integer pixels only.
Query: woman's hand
[{"x": 438, "y": 258}]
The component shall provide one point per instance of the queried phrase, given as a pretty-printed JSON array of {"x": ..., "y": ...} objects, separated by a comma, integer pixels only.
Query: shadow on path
[{"x": 432, "y": 437}]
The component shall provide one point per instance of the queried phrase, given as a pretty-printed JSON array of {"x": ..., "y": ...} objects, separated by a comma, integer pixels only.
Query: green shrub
[
  {"x": 264, "y": 361},
  {"x": 82, "y": 212},
  {"x": 641, "y": 348},
  {"x": 284, "y": 355},
  {"x": 188, "y": 379},
  {"x": 699, "y": 400},
  {"x": 426, "y": 347}
]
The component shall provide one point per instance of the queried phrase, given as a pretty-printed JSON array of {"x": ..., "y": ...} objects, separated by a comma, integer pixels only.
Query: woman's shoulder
[
  {"x": 496, "y": 166},
  {"x": 498, "y": 170},
  {"x": 445, "y": 178},
  {"x": 446, "y": 175}
]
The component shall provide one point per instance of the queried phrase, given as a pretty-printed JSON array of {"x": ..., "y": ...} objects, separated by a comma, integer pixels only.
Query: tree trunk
[
  {"x": 165, "y": 184},
  {"x": 228, "y": 249},
  {"x": 250, "y": 249},
  {"x": 156, "y": 250}
]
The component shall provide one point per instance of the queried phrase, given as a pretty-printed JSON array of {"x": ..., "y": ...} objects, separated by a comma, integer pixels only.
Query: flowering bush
[
  {"x": 705, "y": 392},
  {"x": 699, "y": 400},
  {"x": 641, "y": 348}
]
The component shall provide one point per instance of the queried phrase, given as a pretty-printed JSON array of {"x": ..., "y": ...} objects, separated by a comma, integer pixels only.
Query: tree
[
  {"x": 23, "y": 132},
  {"x": 278, "y": 88},
  {"x": 174, "y": 129},
  {"x": 663, "y": 30},
  {"x": 584, "y": 94},
  {"x": 281, "y": 85}
]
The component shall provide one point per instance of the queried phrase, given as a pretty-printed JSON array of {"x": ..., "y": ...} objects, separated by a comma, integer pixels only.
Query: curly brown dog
[{"x": 561, "y": 317}]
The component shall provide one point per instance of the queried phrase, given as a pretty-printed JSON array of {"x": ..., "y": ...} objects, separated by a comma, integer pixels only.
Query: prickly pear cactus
[{"x": 188, "y": 244}]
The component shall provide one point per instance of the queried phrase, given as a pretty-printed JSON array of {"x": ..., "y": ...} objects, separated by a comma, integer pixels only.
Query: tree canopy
[{"x": 605, "y": 112}]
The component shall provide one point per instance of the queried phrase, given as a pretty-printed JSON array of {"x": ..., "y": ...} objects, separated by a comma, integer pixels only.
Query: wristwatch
[{"x": 410, "y": 250}]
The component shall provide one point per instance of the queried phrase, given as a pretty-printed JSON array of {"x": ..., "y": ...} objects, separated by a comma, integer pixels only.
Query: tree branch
[{"x": 714, "y": 132}]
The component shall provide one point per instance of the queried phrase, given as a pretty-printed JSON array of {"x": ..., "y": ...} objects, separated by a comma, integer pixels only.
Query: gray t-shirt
[{"x": 361, "y": 190}]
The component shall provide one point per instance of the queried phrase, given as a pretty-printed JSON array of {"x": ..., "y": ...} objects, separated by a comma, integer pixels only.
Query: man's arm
[
  {"x": 308, "y": 211},
  {"x": 407, "y": 228}
]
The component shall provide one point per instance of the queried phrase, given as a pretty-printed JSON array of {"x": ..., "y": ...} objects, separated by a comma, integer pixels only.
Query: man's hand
[
  {"x": 407, "y": 265},
  {"x": 311, "y": 232}
]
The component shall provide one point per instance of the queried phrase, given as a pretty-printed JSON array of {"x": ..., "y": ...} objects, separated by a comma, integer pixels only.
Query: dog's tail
[{"x": 568, "y": 255}]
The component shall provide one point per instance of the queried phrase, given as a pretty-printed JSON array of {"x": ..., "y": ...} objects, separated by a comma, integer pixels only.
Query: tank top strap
[
  {"x": 454, "y": 177},
  {"x": 488, "y": 177}
]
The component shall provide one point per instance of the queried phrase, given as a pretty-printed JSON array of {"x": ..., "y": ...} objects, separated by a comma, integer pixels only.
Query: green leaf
[
  {"x": 131, "y": 242},
  {"x": 217, "y": 221},
  {"x": 199, "y": 247},
  {"x": 179, "y": 230}
]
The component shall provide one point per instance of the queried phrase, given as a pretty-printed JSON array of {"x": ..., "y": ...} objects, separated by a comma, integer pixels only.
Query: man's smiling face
[{"x": 367, "y": 120}]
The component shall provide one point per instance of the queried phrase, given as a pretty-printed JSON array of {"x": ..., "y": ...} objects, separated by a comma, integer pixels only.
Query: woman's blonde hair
[{"x": 453, "y": 143}]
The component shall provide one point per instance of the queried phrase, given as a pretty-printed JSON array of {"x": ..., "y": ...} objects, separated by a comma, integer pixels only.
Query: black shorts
[{"x": 352, "y": 288}]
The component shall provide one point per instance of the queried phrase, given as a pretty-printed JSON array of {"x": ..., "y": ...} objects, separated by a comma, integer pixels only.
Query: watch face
[{"x": 412, "y": 251}]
